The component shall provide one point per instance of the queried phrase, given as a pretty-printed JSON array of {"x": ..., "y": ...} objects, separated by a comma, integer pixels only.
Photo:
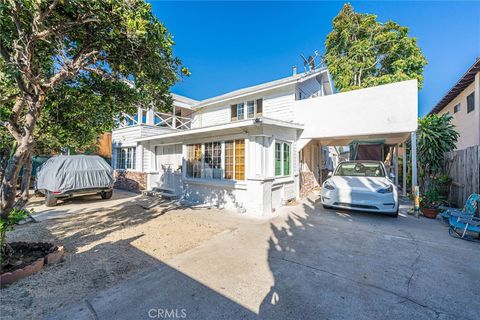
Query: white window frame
[
  {"x": 245, "y": 108},
  {"x": 132, "y": 161},
  {"x": 282, "y": 153},
  {"x": 222, "y": 166}
]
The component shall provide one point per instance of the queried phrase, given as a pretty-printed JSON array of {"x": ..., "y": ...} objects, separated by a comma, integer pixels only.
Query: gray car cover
[{"x": 68, "y": 173}]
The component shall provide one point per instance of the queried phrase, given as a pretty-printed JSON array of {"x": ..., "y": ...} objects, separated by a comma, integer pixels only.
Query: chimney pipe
[{"x": 294, "y": 70}]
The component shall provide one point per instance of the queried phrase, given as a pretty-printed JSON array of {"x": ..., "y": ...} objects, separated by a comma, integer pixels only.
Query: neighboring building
[
  {"x": 256, "y": 148},
  {"x": 463, "y": 103}
]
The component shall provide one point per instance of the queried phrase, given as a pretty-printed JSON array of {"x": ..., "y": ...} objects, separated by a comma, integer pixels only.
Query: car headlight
[
  {"x": 388, "y": 189},
  {"x": 328, "y": 186}
]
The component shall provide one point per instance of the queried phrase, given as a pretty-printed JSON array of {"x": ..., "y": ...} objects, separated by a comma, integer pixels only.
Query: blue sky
[{"x": 230, "y": 45}]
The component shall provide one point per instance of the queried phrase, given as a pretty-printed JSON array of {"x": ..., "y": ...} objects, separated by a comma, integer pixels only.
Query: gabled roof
[
  {"x": 259, "y": 88},
  {"x": 464, "y": 82}
]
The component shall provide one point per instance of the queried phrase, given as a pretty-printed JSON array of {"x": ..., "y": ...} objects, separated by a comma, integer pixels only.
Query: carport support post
[
  {"x": 414, "y": 160},
  {"x": 404, "y": 168},
  {"x": 395, "y": 162}
]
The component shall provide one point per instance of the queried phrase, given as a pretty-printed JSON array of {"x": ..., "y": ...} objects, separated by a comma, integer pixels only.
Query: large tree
[
  {"x": 363, "y": 52},
  {"x": 68, "y": 60}
]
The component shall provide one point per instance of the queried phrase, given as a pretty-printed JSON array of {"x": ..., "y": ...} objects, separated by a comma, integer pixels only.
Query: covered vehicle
[
  {"x": 361, "y": 185},
  {"x": 66, "y": 176}
]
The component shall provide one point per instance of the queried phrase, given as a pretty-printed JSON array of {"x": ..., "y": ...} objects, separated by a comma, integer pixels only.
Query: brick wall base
[
  {"x": 130, "y": 180},
  {"x": 307, "y": 183}
]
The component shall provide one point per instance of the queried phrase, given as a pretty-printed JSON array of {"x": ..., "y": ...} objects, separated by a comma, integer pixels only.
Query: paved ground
[{"x": 309, "y": 263}]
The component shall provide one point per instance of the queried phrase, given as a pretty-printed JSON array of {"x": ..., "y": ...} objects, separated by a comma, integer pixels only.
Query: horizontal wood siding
[
  {"x": 279, "y": 106},
  {"x": 210, "y": 116}
]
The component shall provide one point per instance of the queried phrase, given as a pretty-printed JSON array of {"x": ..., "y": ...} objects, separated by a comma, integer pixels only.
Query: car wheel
[
  {"x": 50, "y": 200},
  {"x": 106, "y": 194},
  {"x": 395, "y": 215},
  {"x": 326, "y": 207}
]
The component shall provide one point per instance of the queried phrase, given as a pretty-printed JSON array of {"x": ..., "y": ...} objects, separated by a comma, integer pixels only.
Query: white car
[{"x": 361, "y": 185}]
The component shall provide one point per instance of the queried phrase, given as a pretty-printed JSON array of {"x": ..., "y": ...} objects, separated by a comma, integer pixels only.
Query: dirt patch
[
  {"x": 102, "y": 248},
  {"x": 25, "y": 253}
]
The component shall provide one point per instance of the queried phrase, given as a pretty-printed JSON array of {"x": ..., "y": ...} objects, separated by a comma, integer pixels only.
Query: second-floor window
[
  {"x": 471, "y": 102},
  {"x": 456, "y": 108},
  {"x": 246, "y": 109}
]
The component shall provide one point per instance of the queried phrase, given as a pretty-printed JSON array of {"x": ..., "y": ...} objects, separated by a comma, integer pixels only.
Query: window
[
  {"x": 194, "y": 160},
  {"x": 254, "y": 108},
  {"x": 282, "y": 159},
  {"x": 471, "y": 102},
  {"x": 360, "y": 169},
  {"x": 286, "y": 160},
  {"x": 126, "y": 158},
  {"x": 456, "y": 108},
  {"x": 212, "y": 163},
  {"x": 278, "y": 159},
  {"x": 229, "y": 159},
  {"x": 239, "y": 159},
  {"x": 213, "y": 168},
  {"x": 240, "y": 111},
  {"x": 250, "y": 109}
]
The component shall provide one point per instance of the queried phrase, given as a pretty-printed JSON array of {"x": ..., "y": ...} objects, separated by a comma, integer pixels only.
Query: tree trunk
[{"x": 9, "y": 182}]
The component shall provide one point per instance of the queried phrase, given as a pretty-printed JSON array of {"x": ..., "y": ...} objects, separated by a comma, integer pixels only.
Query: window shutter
[
  {"x": 259, "y": 107},
  {"x": 233, "y": 109}
]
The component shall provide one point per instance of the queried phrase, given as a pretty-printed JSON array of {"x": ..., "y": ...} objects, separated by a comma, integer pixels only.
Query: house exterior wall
[{"x": 465, "y": 123}]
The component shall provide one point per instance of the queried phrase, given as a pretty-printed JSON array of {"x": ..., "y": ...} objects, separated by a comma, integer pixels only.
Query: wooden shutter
[
  {"x": 233, "y": 109},
  {"x": 259, "y": 107},
  {"x": 240, "y": 159}
]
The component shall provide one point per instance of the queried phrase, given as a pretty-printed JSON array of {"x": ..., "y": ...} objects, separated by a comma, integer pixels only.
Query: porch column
[
  {"x": 395, "y": 163},
  {"x": 414, "y": 160},
  {"x": 404, "y": 168},
  {"x": 320, "y": 165}
]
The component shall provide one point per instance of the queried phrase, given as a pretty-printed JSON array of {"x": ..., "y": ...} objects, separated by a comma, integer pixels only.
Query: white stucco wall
[{"x": 391, "y": 108}]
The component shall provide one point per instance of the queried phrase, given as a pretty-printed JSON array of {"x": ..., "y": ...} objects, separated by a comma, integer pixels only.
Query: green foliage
[
  {"x": 126, "y": 60},
  {"x": 362, "y": 52},
  {"x": 435, "y": 136},
  {"x": 7, "y": 224}
]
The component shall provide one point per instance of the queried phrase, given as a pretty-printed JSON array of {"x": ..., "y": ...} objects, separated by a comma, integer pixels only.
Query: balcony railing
[
  {"x": 160, "y": 119},
  {"x": 169, "y": 120}
]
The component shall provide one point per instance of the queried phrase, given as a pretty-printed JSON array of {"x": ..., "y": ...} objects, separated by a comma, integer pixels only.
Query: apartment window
[
  {"x": 212, "y": 163},
  {"x": 282, "y": 159},
  {"x": 240, "y": 111},
  {"x": 126, "y": 158},
  {"x": 213, "y": 168},
  {"x": 456, "y": 108},
  {"x": 471, "y": 102},
  {"x": 194, "y": 160},
  {"x": 248, "y": 109}
]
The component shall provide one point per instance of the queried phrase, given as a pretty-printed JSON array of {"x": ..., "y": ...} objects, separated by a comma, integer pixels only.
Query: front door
[{"x": 168, "y": 160}]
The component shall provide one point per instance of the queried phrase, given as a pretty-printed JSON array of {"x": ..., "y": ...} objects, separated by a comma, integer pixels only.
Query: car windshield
[{"x": 360, "y": 169}]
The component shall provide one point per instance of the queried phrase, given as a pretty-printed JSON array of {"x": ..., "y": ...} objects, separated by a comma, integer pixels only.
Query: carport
[{"x": 386, "y": 113}]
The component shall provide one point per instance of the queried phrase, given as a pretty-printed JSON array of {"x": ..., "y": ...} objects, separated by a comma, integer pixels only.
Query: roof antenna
[{"x": 309, "y": 64}]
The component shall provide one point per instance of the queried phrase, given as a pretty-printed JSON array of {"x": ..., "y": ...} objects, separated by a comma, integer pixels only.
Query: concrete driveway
[{"x": 309, "y": 263}]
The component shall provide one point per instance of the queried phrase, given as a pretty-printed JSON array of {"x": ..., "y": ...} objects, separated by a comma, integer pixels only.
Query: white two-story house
[{"x": 248, "y": 149}]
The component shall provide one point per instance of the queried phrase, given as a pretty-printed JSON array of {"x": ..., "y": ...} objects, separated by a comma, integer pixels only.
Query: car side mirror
[
  {"x": 330, "y": 173},
  {"x": 392, "y": 176}
]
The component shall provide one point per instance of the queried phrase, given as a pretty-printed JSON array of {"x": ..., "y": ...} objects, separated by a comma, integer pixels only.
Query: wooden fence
[{"x": 464, "y": 167}]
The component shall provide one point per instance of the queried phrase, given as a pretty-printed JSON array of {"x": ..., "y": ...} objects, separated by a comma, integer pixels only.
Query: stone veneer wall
[
  {"x": 130, "y": 180},
  {"x": 307, "y": 183}
]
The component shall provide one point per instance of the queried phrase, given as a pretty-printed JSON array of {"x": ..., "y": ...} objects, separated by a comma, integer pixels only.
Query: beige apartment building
[{"x": 463, "y": 103}]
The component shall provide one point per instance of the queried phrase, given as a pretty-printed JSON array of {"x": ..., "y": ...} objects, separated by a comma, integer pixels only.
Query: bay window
[
  {"x": 282, "y": 159},
  {"x": 232, "y": 167}
]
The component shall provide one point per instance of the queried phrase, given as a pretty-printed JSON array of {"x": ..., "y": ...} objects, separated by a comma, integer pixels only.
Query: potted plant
[{"x": 429, "y": 203}]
